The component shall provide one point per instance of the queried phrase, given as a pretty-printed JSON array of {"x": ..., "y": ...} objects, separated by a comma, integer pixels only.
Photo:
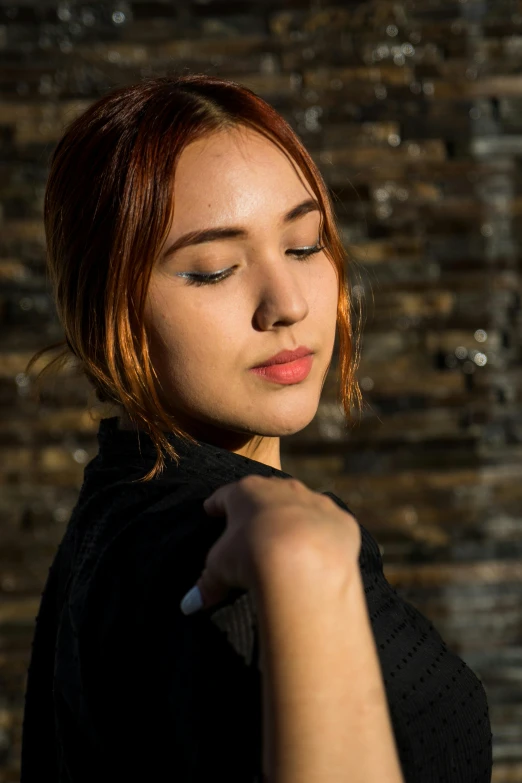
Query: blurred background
[{"x": 413, "y": 111}]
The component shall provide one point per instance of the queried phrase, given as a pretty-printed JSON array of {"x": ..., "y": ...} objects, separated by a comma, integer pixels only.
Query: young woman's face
[{"x": 205, "y": 339}]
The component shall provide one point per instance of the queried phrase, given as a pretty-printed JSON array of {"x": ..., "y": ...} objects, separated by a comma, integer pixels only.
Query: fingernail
[{"x": 192, "y": 601}]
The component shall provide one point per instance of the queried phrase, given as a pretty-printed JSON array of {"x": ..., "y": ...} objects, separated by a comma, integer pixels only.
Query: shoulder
[
  {"x": 126, "y": 594},
  {"x": 132, "y": 535}
]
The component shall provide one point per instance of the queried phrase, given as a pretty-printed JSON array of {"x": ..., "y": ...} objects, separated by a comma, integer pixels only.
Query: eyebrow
[{"x": 234, "y": 232}]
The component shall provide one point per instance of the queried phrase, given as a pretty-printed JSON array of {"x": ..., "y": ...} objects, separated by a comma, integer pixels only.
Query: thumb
[{"x": 207, "y": 591}]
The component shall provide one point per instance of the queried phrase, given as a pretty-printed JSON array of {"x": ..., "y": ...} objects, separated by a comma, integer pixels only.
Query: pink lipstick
[{"x": 286, "y": 367}]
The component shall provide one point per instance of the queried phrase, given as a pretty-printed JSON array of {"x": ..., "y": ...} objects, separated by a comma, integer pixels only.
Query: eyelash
[{"x": 198, "y": 279}]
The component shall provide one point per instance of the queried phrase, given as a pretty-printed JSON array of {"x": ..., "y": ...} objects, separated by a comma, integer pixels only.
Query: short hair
[{"x": 108, "y": 208}]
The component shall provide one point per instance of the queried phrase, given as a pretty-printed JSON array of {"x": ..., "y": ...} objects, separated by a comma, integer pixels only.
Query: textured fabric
[{"x": 123, "y": 686}]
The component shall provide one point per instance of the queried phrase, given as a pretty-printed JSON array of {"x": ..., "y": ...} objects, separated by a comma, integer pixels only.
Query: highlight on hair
[{"x": 108, "y": 208}]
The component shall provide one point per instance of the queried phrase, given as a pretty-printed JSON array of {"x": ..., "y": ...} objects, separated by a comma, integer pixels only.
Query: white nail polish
[{"x": 191, "y": 601}]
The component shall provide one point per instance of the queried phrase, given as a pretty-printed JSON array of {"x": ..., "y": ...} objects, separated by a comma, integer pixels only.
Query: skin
[{"x": 204, "y": 339}]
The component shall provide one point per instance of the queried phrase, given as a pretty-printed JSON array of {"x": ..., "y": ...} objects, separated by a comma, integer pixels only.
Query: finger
[
  {"x": 207, "y": 592},
  {"x": 217, "y": 503},
  {"x": 212, "y": 589},
  {"x": 213, "y": 505}
]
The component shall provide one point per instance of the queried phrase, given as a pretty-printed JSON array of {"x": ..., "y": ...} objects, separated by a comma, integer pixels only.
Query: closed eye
[{"x": 199, "y": 278}]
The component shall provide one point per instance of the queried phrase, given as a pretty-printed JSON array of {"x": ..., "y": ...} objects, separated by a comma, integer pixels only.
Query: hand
[{"x": 265, "y": 516}]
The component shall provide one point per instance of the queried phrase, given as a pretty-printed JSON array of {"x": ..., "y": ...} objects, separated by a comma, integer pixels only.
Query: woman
[{"x": 191, "y": 240}]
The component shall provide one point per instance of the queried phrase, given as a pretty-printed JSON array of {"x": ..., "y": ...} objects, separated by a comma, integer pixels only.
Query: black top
[{"x": 123, "y": 686}]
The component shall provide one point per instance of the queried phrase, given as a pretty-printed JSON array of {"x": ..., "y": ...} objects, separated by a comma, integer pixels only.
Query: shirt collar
[{"x": 203, "y": 460}]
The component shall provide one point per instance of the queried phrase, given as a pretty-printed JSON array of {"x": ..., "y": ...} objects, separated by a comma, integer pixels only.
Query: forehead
[{"x": 234, "y": 173}]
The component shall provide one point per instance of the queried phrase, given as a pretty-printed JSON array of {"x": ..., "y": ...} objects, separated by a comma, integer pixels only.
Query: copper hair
[{"x": 107, "y": 212}]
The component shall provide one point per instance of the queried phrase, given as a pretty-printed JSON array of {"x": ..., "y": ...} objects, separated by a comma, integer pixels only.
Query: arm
[{"x": 325, "y": 712}]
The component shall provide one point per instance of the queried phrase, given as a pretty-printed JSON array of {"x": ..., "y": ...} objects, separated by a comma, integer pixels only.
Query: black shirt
[{"x": 123, "y": 686}]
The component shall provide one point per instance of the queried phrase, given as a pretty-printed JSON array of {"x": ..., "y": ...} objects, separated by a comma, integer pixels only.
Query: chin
[{"x": 282, "y": 425}]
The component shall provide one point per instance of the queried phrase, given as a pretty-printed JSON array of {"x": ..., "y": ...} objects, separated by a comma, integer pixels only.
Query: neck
[{"x": 261, "y": 448}]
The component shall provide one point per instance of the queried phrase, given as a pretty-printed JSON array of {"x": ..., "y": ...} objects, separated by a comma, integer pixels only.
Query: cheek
[
  {"x": 163, "y": 320},
  {"x": 326, "y": 290},
  {"x": 184, "y": 337},
  {"x": 168, "y": 322}
]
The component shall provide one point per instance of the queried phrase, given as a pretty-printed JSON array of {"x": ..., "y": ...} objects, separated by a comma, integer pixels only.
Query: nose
[{"x": 280, "y": 293}]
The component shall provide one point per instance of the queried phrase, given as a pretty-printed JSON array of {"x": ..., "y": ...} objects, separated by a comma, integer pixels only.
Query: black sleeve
[{"x": 171, "y": 697}]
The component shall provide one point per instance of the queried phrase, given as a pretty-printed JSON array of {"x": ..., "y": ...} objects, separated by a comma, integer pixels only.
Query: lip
[
  {"x": 284, "y": 357},
  {"x": 287, "y": 372}
]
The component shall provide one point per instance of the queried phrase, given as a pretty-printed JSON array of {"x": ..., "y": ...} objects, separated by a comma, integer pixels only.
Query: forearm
[{"x": 325, "y": 712}]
